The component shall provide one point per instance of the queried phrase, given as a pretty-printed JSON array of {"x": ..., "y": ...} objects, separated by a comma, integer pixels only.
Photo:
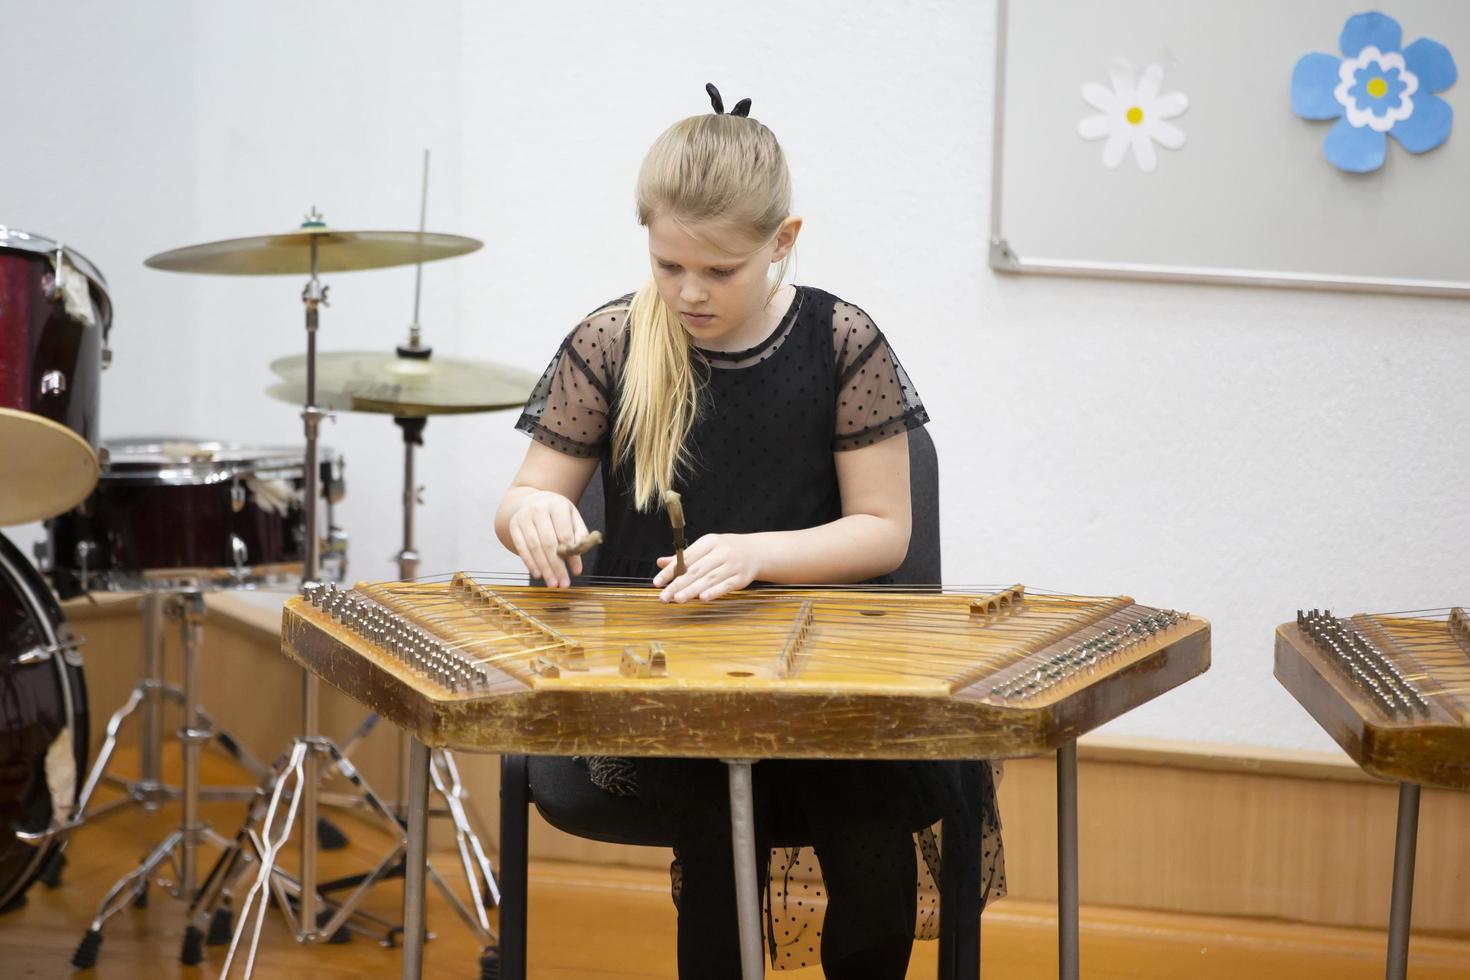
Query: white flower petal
[
  {"x": 1143, "y": 152},
  {"x": 1122, "y": 78},
  {"x": 1099, "y": 97},
  {"x": 1148, "y": 85},
  {"x": 1095, "y": 127},
  {"x": 1167, "y": 134},
  {"x": 1168, "y": 106},
  {"x": 1115, "y": 147}
]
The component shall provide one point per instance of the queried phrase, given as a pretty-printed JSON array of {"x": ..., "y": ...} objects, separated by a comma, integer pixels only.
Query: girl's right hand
[{"x": 543, "y": 521}]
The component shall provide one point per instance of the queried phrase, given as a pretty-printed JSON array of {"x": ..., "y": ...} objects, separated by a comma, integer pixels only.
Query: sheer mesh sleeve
[
  {"x": 568, "y": 410},
  {"x": 875, "y": 399}
]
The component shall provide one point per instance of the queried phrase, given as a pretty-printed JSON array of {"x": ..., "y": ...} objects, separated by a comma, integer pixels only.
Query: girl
[{"x": 779, "y": 413}]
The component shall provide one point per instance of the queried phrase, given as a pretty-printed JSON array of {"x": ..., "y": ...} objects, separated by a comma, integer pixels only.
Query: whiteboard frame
[{"x": 1003, "y": 258}]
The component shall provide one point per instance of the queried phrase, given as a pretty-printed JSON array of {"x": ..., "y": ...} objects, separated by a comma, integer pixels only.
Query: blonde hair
[{"x": 702, "y": 168}]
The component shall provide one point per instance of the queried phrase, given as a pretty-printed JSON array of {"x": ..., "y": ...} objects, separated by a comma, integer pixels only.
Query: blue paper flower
[{"x": 1377, "y": 89}]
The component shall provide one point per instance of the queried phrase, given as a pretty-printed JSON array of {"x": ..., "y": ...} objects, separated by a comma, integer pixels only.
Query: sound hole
[
  {"x": 740, "y": 673},
  {"x": 872, "y": 612}
]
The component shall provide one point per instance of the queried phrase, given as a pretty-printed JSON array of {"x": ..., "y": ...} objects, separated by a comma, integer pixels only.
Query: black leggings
[{"x": 864, "y": 843}]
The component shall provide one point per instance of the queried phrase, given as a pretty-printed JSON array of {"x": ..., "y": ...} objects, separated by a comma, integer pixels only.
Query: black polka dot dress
[{"x": 770, "y": 419}]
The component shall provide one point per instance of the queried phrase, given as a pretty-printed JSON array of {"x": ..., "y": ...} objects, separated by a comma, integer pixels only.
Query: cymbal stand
[
  {"x": 443, "y": 772},
  {"x": 300, "y": 768}
]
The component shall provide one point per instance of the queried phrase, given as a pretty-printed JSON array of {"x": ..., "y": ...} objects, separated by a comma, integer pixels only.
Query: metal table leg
[
  {"x": 747, "y": 890},
  {"x": 417, "y": 860},
  {"x": 1405, "y": 843},
  {"x": 1067, "y": 861}
]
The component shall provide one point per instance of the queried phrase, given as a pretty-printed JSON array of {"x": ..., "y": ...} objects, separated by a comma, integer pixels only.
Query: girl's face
[{"x": 714, "y": 277}]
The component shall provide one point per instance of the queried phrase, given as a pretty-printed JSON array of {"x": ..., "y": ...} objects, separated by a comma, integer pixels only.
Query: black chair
[{"x": 569, "y": 801}]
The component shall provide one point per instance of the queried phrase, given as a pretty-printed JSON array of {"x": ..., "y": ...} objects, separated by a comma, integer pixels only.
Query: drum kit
[{"x": 173, "y": 519}]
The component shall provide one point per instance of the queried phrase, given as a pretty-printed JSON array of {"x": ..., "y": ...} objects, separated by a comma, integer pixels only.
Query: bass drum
[{"x": 43, "y": 722}]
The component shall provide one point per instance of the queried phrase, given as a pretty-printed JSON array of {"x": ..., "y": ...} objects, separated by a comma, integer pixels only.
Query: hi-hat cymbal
[
  {"x": 290, "y": 253},
  {"x": 389, "y": 384}
]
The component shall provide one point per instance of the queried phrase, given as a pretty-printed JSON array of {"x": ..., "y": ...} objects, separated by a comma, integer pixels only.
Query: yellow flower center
[
  {"x": 1377, "y": 87},
  {"x": 1135, "y": 115}
]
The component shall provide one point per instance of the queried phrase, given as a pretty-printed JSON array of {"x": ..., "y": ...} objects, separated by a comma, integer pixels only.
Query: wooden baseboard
[{"x": 1175, "y": 827}]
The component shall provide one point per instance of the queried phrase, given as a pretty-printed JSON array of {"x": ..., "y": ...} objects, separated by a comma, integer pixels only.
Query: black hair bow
[{"x": 742, "y": 108}]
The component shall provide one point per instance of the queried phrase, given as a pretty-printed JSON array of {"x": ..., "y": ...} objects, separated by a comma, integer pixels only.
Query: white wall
[{"x": 1232, "y": 452}]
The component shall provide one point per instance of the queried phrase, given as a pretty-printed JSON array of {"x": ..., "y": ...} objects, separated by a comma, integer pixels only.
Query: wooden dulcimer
[{"x": 795, "y": 673}]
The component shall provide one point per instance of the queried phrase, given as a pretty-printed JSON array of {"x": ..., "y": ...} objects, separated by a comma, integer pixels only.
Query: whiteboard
[{"x": 1250, "y": 197}]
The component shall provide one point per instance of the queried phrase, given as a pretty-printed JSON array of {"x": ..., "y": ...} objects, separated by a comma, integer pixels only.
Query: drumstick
[
  {"x": 592, "y": 540},
  {"x": 675, "y": 506}
]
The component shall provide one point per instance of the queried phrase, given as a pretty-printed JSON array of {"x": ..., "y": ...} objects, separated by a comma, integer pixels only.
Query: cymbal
[
  {"x": 388, "y": 384},
  {"x": 290, "y": 253},
  {"x": 49, "y": 469}
]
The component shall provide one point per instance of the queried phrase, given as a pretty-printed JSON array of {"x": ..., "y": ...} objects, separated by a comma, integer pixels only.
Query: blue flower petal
[
  {"x": 1312, "y": 82},
  {"x": 1356, "y": 150},
  {"x": 1427, "y": 126},
  {"x": 1432, "y": 62},
  {"x": 1379, "y": 30}
]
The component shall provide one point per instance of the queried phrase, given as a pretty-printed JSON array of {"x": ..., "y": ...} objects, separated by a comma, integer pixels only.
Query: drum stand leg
[
  {"x": 209, "y": 906},
  {"x": 148, "y": 789},
  {"x": 180, "y": 848},
  {"x": 146, "y": 699},
  {"x": 150, "y": 748}
]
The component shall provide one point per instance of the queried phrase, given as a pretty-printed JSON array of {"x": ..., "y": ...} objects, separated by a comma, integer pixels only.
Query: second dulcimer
[
  {"x": 1393, "y": 689},
  {"x": 832, "y": 673}
]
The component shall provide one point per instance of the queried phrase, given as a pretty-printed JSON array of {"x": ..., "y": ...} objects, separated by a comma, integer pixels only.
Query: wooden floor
[{"x": 596, "y": 921}]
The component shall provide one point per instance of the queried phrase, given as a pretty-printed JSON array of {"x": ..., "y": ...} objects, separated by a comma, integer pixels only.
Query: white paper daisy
[{"x": 1133, "y": 115}]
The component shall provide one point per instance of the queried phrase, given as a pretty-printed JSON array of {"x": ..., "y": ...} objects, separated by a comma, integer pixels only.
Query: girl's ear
[{"x": 786, "y": 238}]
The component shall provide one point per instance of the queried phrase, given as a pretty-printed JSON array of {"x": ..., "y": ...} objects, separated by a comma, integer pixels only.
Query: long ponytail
[{"x": 659, "y": 397}]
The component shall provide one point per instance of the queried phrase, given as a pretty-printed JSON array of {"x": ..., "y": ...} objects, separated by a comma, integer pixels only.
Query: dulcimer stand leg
[
  {"x": 416, "y": 871},
  {"x": 418, "y": 860},
  {"x": 747, "y": 888},
  {"x": 1067, "y": 902},
  {"x": 1404, "y": 846}
]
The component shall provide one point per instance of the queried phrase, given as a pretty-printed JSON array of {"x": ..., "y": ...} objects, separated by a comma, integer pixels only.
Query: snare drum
[
  {"x": 55, "y": 316},
  {"x": 170, "y": 514}
]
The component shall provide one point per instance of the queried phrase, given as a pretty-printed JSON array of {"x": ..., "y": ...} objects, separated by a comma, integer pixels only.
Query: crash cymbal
[
  {"x": 48, "y": 470},
  {"x": 390, "y": 384},
  {"x": 290, "y": 253}
]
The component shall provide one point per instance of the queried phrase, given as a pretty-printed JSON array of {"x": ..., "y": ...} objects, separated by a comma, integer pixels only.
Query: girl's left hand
[{"x": 714, "y": 565}]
